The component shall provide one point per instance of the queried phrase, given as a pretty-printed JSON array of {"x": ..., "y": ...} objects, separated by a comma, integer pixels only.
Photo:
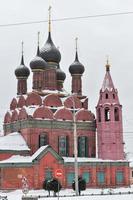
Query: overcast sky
[{"x": 98, "y": 37}]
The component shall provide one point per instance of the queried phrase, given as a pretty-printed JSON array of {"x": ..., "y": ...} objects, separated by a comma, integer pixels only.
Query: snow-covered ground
[{"x": 69, "y": 194}]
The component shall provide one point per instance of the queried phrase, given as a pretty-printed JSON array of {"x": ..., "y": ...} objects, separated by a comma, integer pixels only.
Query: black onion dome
[
  {"x": 22, "y": 70},
  {"x": 76, "y": 67},
  {"x": 60, "y": 74},
  {"x": 38, "y": 63},
  {"x": 49, "y": 52}
]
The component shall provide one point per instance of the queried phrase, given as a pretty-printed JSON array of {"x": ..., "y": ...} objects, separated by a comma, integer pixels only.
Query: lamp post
[{"x": 75, "y": 148}]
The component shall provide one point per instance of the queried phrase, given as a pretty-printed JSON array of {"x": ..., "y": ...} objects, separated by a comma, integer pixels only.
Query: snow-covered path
[{"x": 17, "y": 195}]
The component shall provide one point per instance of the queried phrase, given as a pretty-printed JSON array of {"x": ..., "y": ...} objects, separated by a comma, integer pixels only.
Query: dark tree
[
  {"x": 47, "y": 185},
  {"x": 81, "y": 184},
  {"x": 55, "y": 186},
  {"x": 52, "y": 185}
]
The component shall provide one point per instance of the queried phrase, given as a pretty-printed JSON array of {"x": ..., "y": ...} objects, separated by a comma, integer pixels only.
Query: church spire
[
  {"x": 76, "y": 47},
  {"x": 49, "y": 19},
  {"x": 107, "y": 64},
  {"x": 38, "y": 49},
  {"x": 22, "y": 53}
]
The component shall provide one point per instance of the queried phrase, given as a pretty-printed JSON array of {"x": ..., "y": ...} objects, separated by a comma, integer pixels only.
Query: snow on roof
[
  {"x": 55, "y": 92},
  {"x": 38, "y": 152},
  {"x": 13, "y": 141},
  {"x": 31, "y": 109},
  {"x": 24, "y": 159},
  {"x": 72, "y": 159}
]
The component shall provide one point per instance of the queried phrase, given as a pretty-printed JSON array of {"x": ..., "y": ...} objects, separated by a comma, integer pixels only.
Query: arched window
[
  {"x": 82, "y": 146},
  {"x": 106, "y": 96},
  {"x": 107, "y": 114},
  {"x": 116, "y": 114},
  {"x": 63, "y": 145},
  {"x": 113, "y": 96},
  {"x": 99, "y": 115},
  {"x": 43, "y": 139}
]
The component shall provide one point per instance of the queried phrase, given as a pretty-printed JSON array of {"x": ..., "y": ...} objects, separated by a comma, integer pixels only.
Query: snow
[
  {"x": 31, "y": 109},
  {"x": 13, "y": 141},
  {"x": 70, "y": 194},
  {"x": 72, "y": 159},
  {"x": 24, "y": 159}
]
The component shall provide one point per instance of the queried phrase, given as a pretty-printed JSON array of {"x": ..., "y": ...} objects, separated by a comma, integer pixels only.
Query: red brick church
[{"x": 39, "y": 127}]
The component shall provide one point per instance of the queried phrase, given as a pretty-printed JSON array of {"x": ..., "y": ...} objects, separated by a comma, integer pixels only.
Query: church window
[
  {"x": 63, "y": 145},
  {"x": 43, "y": 140},
  {"x": 106, "y": 96},
  {"x": 100, "y": 177},
  {"x": 132, "y": 174},
  {"x": 82, "y": 146},
  {"x": 107, "y": 114},
  {"x": 113, "y": 96},
  {"x": 86, "y": 176},
  {"x": 99, "y": 115},
  {"x": 116, "y": 114},
  {"x": 70, "y": 177},
  {"x": 119, "y": 177},
  {"x": 48, "y": 174}
]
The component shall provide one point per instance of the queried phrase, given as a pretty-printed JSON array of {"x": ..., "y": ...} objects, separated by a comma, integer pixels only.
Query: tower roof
[{"x": 107, "y": 82}]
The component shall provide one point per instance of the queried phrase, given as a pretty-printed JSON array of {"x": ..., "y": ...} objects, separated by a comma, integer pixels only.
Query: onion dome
[
  {"x": 76, "y": 67},
  {"x": 49, "y": 52},
  {"x": 38, "y": 63},
  {"x": 60, "y": 74},
  {"x": 22, "y": 70}
]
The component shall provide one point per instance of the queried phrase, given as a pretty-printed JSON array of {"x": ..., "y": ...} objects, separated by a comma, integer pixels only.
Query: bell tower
[{"x": 109, "y": 121}]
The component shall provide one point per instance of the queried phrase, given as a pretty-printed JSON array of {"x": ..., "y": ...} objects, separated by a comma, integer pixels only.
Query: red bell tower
[{"x": 109, "y": 121}]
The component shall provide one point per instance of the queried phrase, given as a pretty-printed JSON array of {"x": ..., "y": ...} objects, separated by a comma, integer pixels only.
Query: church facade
[{"x": 39, "y": 127}]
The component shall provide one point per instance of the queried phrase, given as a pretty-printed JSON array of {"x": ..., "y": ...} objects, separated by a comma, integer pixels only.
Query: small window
[
  {"x": 70, "y": 178},
  {"x": 119, "y": 177},
  {"x": 48, "y": 174},
  {"x": 82, "y": 146},
  {"x": 86, "y": 176},
  {"x": 43, "y": 140},
  {"x": 99, "y": 115},
  {"x": 113, "y": 96},
  {"x": 106, "y": 96},
  {"x": 107, "y": 114},
  {"x": 132, "y": 174},
  {"x": 116, "y": 114},
  {"x": 101, "y": 177},
  {"x": 63, "y": 145}
]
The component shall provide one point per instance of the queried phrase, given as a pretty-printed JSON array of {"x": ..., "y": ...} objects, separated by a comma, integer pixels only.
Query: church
[{"x": 48, "y": 128}]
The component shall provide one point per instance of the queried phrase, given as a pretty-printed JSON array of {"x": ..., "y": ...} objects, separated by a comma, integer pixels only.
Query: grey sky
[{"x": 98, "y": 37}]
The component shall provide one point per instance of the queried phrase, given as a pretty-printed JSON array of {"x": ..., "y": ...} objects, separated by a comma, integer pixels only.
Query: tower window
[
  {"x": 113, "y": 96},
  {"x": 106, "y": 96},
  {"x": 107, "y": 114},
  {"x": 116, "y": 114},
  {"x": 99, "y": 115}
]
